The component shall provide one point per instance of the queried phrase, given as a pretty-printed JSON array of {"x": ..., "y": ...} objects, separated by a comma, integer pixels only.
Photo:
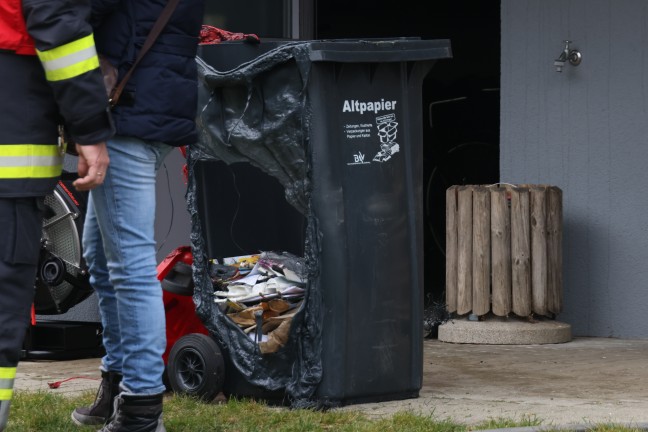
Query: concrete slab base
[{"x": 504, "y": 331}]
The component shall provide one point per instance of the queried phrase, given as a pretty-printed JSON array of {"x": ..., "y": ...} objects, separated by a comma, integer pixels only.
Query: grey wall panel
[
  {"x": 172, "y": 222},
  {"x": 585, "y": 130}
]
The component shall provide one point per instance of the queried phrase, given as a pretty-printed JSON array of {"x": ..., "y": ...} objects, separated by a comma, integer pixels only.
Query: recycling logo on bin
[{"x": 380, "y": 132}]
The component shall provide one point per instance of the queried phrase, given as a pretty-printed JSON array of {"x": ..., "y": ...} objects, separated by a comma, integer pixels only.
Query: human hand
[{"x": 92, "y": 166}]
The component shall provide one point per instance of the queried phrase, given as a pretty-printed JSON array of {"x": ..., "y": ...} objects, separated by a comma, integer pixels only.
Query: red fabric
[
  {"x": 13, "y": 31},
  {"x": 213, "y": 35}
]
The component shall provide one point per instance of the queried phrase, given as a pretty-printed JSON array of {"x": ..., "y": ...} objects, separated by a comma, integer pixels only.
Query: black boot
[
  {"x": 136, "y": 414},
  {"x": 102, "y": 408}
]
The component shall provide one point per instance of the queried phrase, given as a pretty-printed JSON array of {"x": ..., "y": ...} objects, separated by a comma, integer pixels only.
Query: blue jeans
[{"x": 119, "y": 248}]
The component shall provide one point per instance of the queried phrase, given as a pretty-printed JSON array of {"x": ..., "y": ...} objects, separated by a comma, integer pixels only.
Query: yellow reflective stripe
[
  {"x": 70, "y": 60},
  {"x": 6, "y": 394},
  {"x": 7, "y": 375},
  {"x": 72, "y": 71},
  {"x": 7, "y": 372},
  {"x": 67, "y": 49},
  {"x": 30, "y": 172},
  {"x": 28, "y": 150},
  {"x": 19, "y": 161}
]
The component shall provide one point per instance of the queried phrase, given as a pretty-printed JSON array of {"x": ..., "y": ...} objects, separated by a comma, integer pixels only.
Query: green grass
[{"x": 45, "y": 412}]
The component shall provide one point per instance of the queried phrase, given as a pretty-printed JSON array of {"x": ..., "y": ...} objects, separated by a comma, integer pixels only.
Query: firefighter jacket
[
  {"x": 159, "y": 101},
  {"x": 49, "y": 76}
]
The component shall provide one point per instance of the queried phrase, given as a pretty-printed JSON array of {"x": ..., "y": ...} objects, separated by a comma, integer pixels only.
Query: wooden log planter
[{"x": 504, "y": 250}]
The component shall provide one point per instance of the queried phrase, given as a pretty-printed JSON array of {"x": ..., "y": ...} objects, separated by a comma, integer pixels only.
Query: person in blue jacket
[
  {"x": 49, "y": 77},
  {"x": 156, "y": 112}
]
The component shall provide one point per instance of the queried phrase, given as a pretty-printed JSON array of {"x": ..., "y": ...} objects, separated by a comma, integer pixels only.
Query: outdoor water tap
[
  {"x": 560, "y": 61},
  {"x": 572, "y": 56}
]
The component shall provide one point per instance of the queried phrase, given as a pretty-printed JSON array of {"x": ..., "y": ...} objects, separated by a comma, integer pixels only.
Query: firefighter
[{"x": 49, "y": 76}]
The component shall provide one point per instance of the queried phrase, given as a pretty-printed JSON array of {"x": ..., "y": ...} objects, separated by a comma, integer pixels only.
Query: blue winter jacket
[{"x": 160, "y": 99}]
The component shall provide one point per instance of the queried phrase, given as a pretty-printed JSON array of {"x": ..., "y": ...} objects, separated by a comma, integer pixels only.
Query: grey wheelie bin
[{"x": 336, "y": 126}]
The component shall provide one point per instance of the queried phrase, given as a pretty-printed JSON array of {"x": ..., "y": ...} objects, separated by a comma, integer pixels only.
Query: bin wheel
[{"x": 195, "y": 367}]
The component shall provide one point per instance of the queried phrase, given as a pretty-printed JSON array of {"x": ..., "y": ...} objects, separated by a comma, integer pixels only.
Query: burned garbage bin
[{"x": 333, "y": 129}]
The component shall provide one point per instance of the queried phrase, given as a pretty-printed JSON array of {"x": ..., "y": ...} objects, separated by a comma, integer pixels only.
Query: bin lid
[
  {"x": 228, "y": 55},
  {"x": 379, "y": 50}
]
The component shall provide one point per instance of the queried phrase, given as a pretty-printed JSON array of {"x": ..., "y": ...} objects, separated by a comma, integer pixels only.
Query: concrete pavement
[{"x": 586, "y": 380}]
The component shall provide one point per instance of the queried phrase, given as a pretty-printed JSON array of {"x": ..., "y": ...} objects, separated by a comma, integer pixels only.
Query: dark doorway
[{"x": 460, "y": 97}]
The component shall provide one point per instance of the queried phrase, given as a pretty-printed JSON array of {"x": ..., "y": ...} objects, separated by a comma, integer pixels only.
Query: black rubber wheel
[{"x": 195, "y": 367}]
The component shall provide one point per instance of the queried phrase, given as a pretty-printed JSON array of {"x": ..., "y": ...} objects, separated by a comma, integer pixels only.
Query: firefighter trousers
[{"x": 21, "y": 221}]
